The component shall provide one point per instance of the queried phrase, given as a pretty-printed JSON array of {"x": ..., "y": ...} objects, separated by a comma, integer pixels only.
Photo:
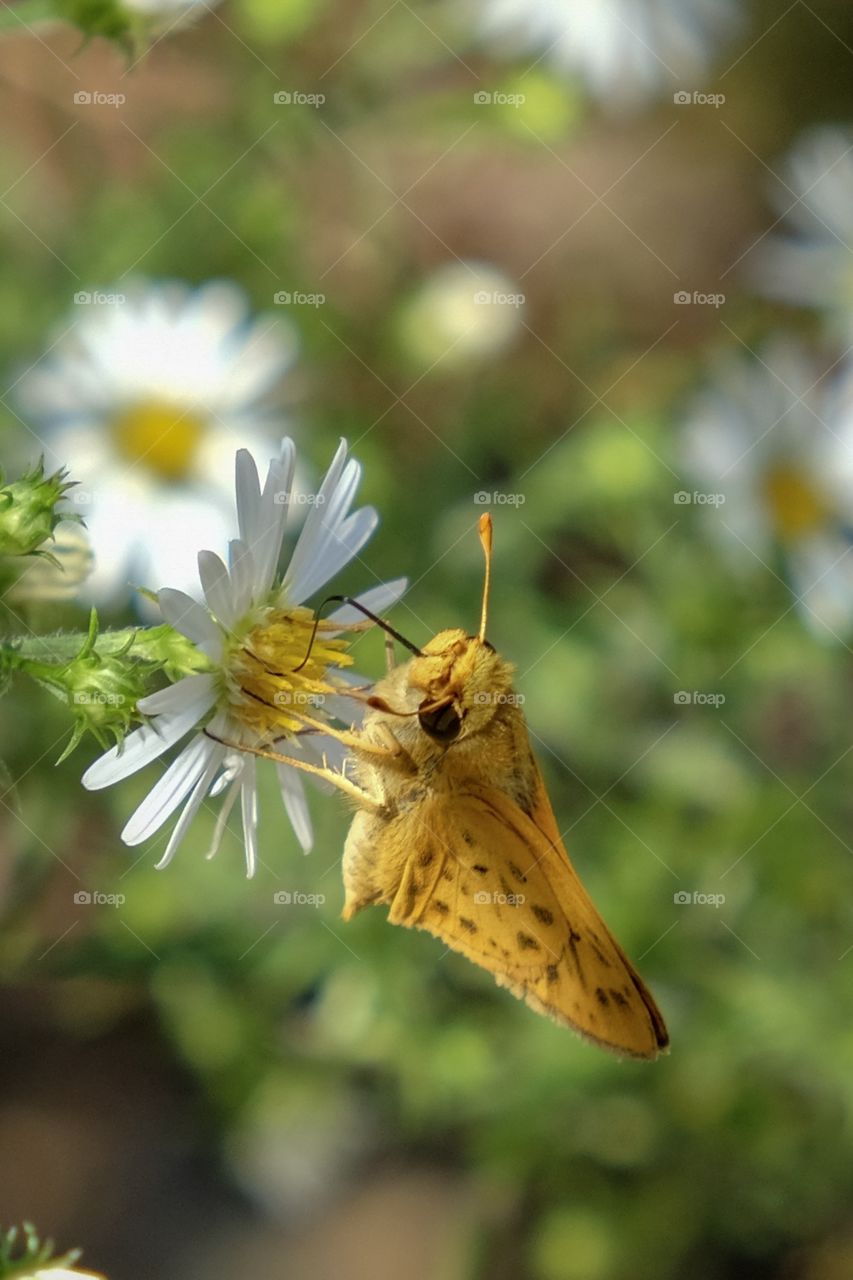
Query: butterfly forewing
[{"x": 492, "y": 884}]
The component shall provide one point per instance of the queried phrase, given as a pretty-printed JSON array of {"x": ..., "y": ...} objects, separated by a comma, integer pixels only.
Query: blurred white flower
[
  {"x": 145, "y": 399},
  {"x": 767, "y": 444},
  {"x": 813, "y": 266},
  {"x": 623, "y": 50},
  {"x": 465, "y": 311},
  {"x": 263, "y": 683}
]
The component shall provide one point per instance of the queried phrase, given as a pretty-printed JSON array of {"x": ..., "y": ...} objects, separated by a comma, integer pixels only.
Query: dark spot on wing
[
  {"x": 552, "y": 973},
  {"x": 467, "y": 925},
  {"x": 518, "y": 873},
  {"x": 441, "y": 907},
  {"x": 543, "y": 914},
  {"x": 426, "y": 858},
  {"x": 601, "y": 997},
  {"x": 573, "y": 939},
  {"x": 467, "y": 837},
  {"x": 619, "y": 998},
  {"x": 480, "y": 869},
  {"x": 526, "y": 942}
]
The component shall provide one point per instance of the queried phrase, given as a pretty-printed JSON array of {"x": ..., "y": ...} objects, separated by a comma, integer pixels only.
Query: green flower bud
[
  {"x": 28, "y": 512},
  {"x": 101, "y": 677},
  {"x": 101, "y": 689}
]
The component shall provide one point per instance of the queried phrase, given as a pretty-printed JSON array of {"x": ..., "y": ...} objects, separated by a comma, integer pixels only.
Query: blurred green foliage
[{"x": 344, "y": 1044}]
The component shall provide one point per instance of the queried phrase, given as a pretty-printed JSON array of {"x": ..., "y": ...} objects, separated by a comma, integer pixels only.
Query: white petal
[
  {"x": 192, "y": 806},
  {"x": 248, "y": 490},
  {"x": 168, "y": 792},
  {"x": 216, "y": 585},
  {"x": 249, "y": 803},
  {"x": 377, "y": 599},
  {"x": 293, "y": 795},
  {"x": 191, "y": 619},
  {"x": 347, "y": 710},
  {"x": 143, "y": 745},
  {"x": 176, "y": 697},
  {"x": 311, "y": 534},
  {"x": 272, "y": 517},
  {"x": 340, "y": 547},
  {"x": 222, "y": 818},
  {"x": 242, "y": 575}
]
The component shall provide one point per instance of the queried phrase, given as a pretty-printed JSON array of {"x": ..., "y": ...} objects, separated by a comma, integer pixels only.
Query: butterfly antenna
[
  {"x": 485, "y": 531},
  {"x": 386, "y": 626}
]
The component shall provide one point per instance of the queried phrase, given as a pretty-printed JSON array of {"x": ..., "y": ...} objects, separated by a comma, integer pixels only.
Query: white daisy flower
[
  {"x": 145, "y": 398},
  {"x": 766, "y": 444},
  {"x": 813, "y": 266},
  {"x": 623, "y": 50},
  {"x": 255, "y": 630}
]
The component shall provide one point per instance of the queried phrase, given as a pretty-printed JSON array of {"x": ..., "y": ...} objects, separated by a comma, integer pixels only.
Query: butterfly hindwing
[{"x": 498, "y": 887}]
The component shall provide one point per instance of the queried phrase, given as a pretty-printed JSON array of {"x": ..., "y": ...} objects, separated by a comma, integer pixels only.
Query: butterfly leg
[
  {"x": 385, "y": 749},
  {"x": 362, "y": 797}
]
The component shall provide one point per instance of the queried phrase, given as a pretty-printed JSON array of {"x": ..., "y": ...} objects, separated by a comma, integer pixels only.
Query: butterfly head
[{"x": 461, "y": 682}]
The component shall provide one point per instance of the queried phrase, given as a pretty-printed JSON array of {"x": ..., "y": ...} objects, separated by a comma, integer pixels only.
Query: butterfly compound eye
[{"x": 442, "y": 722}]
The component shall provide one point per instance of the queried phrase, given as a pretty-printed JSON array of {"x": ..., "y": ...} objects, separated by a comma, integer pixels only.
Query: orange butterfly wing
[{"x": 497, "y": 886}]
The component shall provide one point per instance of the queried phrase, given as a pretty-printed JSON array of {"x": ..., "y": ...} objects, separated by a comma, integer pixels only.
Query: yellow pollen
[
  {"x": 163, "y": 436},
  {"x": 266, "y": 693},
  {"x": 797, "y": 506}
]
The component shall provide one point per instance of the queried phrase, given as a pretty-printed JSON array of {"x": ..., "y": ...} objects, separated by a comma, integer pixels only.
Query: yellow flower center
[
  {"x": 265, "y": 690},
  {"x": 796, "y": 504},
  {"x": 163, "y": 436}
]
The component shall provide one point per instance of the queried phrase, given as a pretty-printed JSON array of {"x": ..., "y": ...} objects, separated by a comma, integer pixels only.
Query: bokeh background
[{"x": 203, "y": 1083}]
